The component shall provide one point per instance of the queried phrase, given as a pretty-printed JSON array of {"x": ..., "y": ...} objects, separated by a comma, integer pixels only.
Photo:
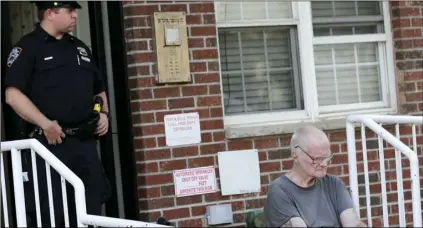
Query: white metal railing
[
  {"x": 375, "y": 122},
  {"x": 83, "y": 219}
]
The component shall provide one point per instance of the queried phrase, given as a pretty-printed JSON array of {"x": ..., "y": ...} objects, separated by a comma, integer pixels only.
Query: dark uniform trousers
[{"x": 82, "y": 158}]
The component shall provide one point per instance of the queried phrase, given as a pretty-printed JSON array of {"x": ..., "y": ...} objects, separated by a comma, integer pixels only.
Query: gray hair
[{"x": 306, "y": 134}]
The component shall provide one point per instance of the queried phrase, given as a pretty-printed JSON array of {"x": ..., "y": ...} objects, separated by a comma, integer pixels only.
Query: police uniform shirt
[{"x": 58, "y": 76}]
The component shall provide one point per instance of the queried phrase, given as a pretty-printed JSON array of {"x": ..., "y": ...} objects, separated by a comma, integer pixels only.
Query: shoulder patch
[{"x": 13, "y": 55}]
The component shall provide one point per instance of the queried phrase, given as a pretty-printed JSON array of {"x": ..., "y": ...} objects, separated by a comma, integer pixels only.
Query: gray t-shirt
[{"x": 318, "y": 205}]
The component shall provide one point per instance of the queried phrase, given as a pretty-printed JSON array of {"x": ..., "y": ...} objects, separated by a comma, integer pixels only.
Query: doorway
[{"x": 95, "y": 23}]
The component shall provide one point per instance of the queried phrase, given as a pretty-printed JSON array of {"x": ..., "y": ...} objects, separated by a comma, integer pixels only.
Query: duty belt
[
  {"x": 67, "y": 131},
  {"x": 83, "y": 131}
]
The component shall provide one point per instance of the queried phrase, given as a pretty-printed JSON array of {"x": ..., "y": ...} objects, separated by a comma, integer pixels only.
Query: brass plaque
[{"x": 171, "y": 47}]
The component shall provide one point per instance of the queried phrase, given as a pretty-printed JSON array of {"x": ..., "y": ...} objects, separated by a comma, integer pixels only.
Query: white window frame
[{"x": 312, "y": 112}]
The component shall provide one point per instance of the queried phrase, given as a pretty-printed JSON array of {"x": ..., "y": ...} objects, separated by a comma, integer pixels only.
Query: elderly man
[{"x": 306, "y": 196}]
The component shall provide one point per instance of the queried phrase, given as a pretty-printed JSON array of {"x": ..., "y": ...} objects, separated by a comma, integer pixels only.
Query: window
[{"x": 286, "y": 61}]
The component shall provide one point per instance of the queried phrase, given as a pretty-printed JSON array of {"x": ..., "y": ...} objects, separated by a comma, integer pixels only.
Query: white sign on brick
[
  {"x": 182, "y": 129},
  {"x": 194, "y": 181}
]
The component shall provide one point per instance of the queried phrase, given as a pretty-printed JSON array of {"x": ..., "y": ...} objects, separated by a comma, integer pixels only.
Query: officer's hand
[
  {"x": 103, "y": 125},
  {"x": 53, "y": 133}
]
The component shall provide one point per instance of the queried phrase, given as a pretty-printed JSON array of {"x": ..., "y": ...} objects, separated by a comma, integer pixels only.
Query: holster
[{"x": 85, "y": 130}]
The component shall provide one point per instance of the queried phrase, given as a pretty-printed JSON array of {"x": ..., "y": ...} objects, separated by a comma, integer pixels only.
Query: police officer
[{"x": 51, "y": 82}]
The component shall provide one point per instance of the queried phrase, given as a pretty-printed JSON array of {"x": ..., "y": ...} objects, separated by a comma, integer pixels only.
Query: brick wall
[{"x": 150, "y": 102}]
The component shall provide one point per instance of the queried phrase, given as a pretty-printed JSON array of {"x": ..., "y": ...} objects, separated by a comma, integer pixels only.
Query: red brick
[
  {"x": 215, "y": 196},
  {"x": 255, "y": 203},
  {"x": 191, "y": 223},
  {"x": 180, "y": 201},
  {"x": 166, "y": 92},
  {"x": 181, "y": 103},
  {"x": 174, "y": 8},
  {"x": 238, "y": 205},
  {"x": 199, "y": 162},
  {"x": 151, "y": 167},
  {"x": 218, "y": 136},
  {"x": 157, "y": 154},
  {"x": 135, "y": 22},
  {"x": 211, "y": 124},
  {"x": 212, "y": 148},
  {"x": 204, "y": 54},
  {"x": 137, "y": 45},
  {"x": 209, "y": 101},
  {"x": 214, "y": 89},
  {"x": 139, "y": 70},
  {"x": 153, "y": 129},
  {"x": 145, "y": 143},
  {"x": 161, "y": 141},
  {"x": 418, "y": 43},
  {"x": 274, "y": 166},
  {"x": 202, "y": 112},
  {"x": 198, "y": 67},
  {"x": 145, "y": 193},
  {"x": 194, "y": 90},
  {"x": 155, "y": 179},
  {"x": 152, "y": 105},
  {"x": 206, "y": 137},
  {"x": 195, "y": 42},
  {"x": 172, "y": 165},
  {"x": 201, "y": 8},
  {"x": 416, "y": 96},
  {"x": 407, "y": 33},
  {"x": 141, "y": 82},
  {"x": 401, "y": 22},
  {"x": 209, "y": 19},
  {"x": 176, "y": 213},
  {"x": 407, "y": 12},
  {"x": 168, "y": 190},
  {"x": 417, "y": 22},
  {"x": 203, "y": 31},
  {"x": 160, "y": 115},
  {"x": 139, "y": 58},
  {"x": 404, "y": 44},
  {"x": 141, "y": 33},
  {"x": 185, "y": 151},
  {"x": 266, "y": 143},
  {"x": 213, "y": 66},
  {"x": 147, "y": 118},
  {"x": 140, "y": 10},
  {"x": 216, "y": 112},
  {"x": 211, "y": 42},
  {"x": 141, "y": 94},
  {"x": 156, "y": 203},
  {"x": 194, "y": 19},
  {"x": 206, "y": 78},
  {"x": 411, "y": 76},
  {"x": 198, "y": 210},
  {"x": 240, "y": 144}
]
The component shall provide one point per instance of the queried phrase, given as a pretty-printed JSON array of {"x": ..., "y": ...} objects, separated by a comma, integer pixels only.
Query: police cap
[{"x": 41, "y": 5}]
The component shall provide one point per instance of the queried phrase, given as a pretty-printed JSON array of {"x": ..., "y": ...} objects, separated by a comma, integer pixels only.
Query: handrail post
[
  {"x": 18, "y": 188},
  {"x": 352, "y": 165},
  {"x": 415, "y": 185}
]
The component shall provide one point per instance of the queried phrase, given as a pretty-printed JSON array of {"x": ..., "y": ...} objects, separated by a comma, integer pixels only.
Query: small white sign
[
  {"x": 194, "y": 181},
  {"x": 182, "y": 129}
]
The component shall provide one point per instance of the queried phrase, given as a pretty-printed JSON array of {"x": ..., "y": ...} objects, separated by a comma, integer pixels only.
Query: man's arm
[
  {"x": 25, "y": 108},
  {"x": 350, "y": 219},
  {"x": 105, "y": 106},
  {"x": 295, "y": 222}
]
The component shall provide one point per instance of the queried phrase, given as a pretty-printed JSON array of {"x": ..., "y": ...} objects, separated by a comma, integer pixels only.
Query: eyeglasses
[{"x": 317, "y": 160}]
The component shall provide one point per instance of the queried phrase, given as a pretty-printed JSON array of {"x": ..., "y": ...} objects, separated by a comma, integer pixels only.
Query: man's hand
[
  {"x": 103, "y": 125},
  {"x": 53, "y": 132},
  {"x": 350, "y": 219}
]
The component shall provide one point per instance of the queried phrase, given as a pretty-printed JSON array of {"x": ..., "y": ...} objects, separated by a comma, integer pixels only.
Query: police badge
[{"x": 13, "y": 55}]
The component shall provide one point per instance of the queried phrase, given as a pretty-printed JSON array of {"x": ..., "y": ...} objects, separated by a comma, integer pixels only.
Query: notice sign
[
  {"x": 182, "y": 129},
  {"x": 194, "y": 181}
]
